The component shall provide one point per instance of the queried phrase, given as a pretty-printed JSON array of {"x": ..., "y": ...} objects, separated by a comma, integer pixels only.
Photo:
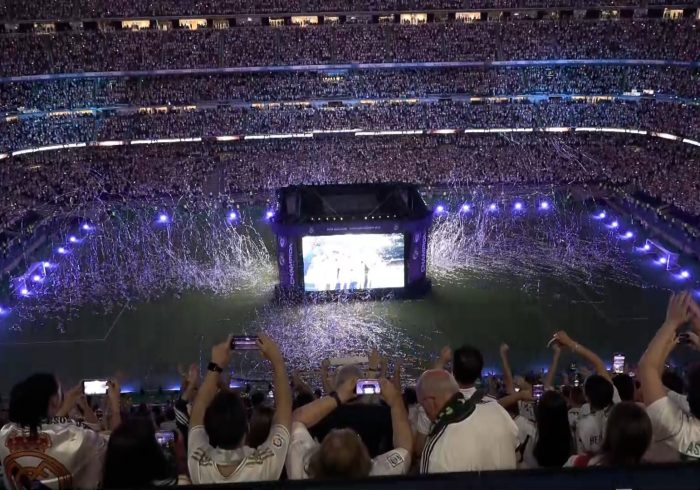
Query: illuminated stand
[{"x": 361, "y": 241}]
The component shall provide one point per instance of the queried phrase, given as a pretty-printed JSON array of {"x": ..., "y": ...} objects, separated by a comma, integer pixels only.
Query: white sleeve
[
  {"x": 197, "y": 445},
  {"x": 395, "y": 462},
  {"x": 666, "y": 420},
  {"x": 616, "y": 396},
  {"x": 680, "y": 400},
  {"x": 273, "y": 453},
  {"x": 423, "y": 424},
  {"x": 300, "y": 450},
  {"x": 91, "y": 462}
]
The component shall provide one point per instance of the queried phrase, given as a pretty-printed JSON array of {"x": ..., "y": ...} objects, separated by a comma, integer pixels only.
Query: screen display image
[{"x": 349, "y": 262}]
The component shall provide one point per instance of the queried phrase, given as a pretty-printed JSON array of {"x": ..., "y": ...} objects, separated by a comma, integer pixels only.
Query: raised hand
[
  {"x": 114, "y": 391},
  {"x": 563, "y": 338},
  {"x": 221, "y": 353},
  {"x": 269, "y": 349},
  {"x": 679, "y": 309},
  {"x": 389, "y": 393},
  {"x": 504, "y": 349},
  {"x": 193, "y": 374},
  {"x": 346, "y": 391}
]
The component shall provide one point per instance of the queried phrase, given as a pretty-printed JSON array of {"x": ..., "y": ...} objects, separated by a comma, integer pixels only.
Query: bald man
[{"x": 467, "y": 434}]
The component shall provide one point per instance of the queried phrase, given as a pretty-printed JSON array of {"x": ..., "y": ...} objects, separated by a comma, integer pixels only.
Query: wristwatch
[
  {"x": 334, "y": 395},
  {"x": 214, "y": 367}
]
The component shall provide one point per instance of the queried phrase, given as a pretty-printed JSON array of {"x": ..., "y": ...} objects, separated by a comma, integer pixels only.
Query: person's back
[{"x": 486, "y": 440}]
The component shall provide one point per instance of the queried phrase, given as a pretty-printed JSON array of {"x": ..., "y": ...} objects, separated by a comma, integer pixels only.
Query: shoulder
[{"x": 395, "y": 462}]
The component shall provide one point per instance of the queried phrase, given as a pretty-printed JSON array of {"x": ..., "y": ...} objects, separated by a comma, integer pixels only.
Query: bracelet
[
  {"x": 214, "y": 367},
  {"x": 334, "y": 395}
]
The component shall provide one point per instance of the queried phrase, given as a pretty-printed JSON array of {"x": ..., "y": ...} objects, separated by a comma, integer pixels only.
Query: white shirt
[
  {"x": 486, "y": 440},
  {"x": 590, "y": 431},
  {"x": 527, "y": 434},
  {"x": 423, "y": 423},
  {"x": 674, "y": 427},
  {"x": 260, "y": 464},
  {"x": 65, "y": 453},
  {"x": 303, "y": 446}
]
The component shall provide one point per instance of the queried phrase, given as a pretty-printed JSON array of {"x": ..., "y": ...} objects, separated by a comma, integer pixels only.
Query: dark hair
[
  {"x": 577, "y": 396},
  {"x": 170, "y": 413},
  {"x": 409, "y": 396},
  {"x": 625, "y": 387},
  {"x": 467, "y": 364},
  {"x": 257, "y": 398},
  {"x": 627, "y": 435},
  {"x": 29, "y": 401},
  {"x": 566, "y": 391},
  {"x": 673, "y": 381},
  {"x": 694, "y": 390},
  {"x": 599, "y": 392},
  {"x": 553, "y": 445},
  {"x": 301, "y": 399},
  {"x": 225, "y": 420},
  {"x": 134, "y": 457},
  {"x": 260, "y": 423}
]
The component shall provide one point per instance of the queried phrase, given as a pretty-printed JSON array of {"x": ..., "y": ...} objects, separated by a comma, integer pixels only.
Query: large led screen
[{"x": 348, "y": 262}]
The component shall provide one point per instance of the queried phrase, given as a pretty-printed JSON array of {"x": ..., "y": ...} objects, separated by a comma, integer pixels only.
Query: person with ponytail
[{"x": 40, "y": 445}]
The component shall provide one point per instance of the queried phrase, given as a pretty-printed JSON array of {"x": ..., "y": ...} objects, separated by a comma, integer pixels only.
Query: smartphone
[
  {"x": 577, "y": 379},
  {"x": 165, "y": 438},
  {"x": 244, "y": 342},
  {"x": 95, "y": 387},
  {"x": 367, "y": 387},
  {"x": 618, "y": 363},
  {"x": 537, "y": 391}
]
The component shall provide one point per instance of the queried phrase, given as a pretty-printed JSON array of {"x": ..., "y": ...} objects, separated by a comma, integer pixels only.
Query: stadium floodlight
[
  {"x": 544, "y": 205},
  {"x": 24, "y": 291},
  {"x": 518, "y": 206},
  {"x": 232, "y": 216},
  {"x": 493, "y": 207},
  {"x": 466, "y": 208},
  {"x": 614, "y": 224},
  {"x": 163, "y": 218},
  {"x": 439, "y": 209},
  {"x": 628, "y": 235},
  {"x": 62, "y": 250},
  {"x": 72, "y": 239},
  {"x": 646, "y": 247},
  {"x": 86, "y": 227},
  {"x": 269, "y": 214},
  {"x": 685, "y": 274},
  {"x": 601, "y": 215},
  {"x": 36, "y": 278}
]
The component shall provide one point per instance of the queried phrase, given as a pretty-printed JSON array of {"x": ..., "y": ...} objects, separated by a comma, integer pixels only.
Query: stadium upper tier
[
  {"x": 26, "y": 133},
  {"x": 101, "y": 51},
  {"x": 49, "y": 95},
  {"x": 83, "y": 9}
]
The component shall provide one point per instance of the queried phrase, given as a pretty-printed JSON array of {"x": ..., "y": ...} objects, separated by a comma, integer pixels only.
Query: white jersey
[
  {"x": 64, "y": 454},
  {"x": 486, "y": 440},
  {"x": 675, "y": 428},
  {"x": 590, "y": 431},
  {"x": 260, "y": 464},
  {"x": 303, "y": 446},
  {"x": 527, "y": 435}
]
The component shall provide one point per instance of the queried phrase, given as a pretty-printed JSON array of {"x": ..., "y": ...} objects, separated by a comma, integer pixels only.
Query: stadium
[{"x": 403, "y": 213}]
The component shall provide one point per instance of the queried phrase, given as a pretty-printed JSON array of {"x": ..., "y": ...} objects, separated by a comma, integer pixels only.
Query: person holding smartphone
[{"x": 216, "y": 450}]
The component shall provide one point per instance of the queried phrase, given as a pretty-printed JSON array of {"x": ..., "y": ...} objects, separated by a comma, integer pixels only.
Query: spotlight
[
  {"x": 3, "y": 311},
  {"x": 86, "y": 227},
  {"x": 685, "y": 274},
  {"x": 518, "y": 206},
  {"x": 646, "y": 247},
  {"x": 36, "y": 278},
  {"x": 269, "y": 214},
  {"x": 544, "y": 205},
  {"x": 614, "y": 224},
  {"x": 601, "y": 215},
  {"x": 492, "y": 207},
  {"x": 232, "y": 215},
  {"x": 466, "y": 208},
  {"x": 440, "y": 208},
  {"x": 663, "y": 260},
  {"x": 72, "y": 239},
  {"x": 24, "y": 292},
  {"x": 628, "y": 235},
  {"x": 46, "y": 264},
  {"x": 163, "y": 218},
  {"x": 62, "y": 250}
]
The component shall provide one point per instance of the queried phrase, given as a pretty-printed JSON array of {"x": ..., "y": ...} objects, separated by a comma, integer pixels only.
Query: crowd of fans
[
  {"x": 80, "y": 51},
  {"x": 677, "y": 119},
  {"x": 56, "y": 9},
  {"x": 361, "y": 84},
  {"x": 362, "y": 421}
]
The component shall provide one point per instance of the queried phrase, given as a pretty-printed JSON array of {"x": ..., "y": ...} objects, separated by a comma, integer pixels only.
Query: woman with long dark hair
[
  {"x": 39, "y": 426},
  {"x": 546, "y": 443},
  {"x": 627, "y": 437},
  {"x": 135, "y": 459}
]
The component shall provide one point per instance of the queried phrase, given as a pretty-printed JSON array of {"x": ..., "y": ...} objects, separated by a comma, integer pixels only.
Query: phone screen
[
  {"x": 537, "y": 391},
  {"x": 165, "y": 438},
  {"x": 95, "y": 387},
  {"x": 367, "y": 387},
  {"x": 244, "y": 342},
  {"x": 618, "y": 363}
]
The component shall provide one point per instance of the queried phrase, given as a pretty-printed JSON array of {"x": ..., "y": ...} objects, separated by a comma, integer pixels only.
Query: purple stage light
[
  {"x": 601, "y": 215},
  {"x": 614, "y": 224},
  {"x": 46, "y": 264},
  {"x": 232, "y": 215},
  {"x": 544, "y": 205},
  {"x": 86, "y": 227},
  {"x": 36, "y": 278},
  {"x": 163, "y": 218},
  {"x": 62, "y": 250},
  {"x": 466, "y": 208},
  {"x": 269, "y": 214},
  {"x": 685, "y": 274},
  {"x": 3, "y": 311},
  {"x": 440, "y": 208},
  {"x": 628, "y": 235},
  {"x": 663, "y": 260},
  {"x": 72, "y": 239},
  {"x": 646, "y": 247},
  {"x": 24, "y": 292},
  {"x": 492, "y": 207},
  {"x": 518, "y": 206}
]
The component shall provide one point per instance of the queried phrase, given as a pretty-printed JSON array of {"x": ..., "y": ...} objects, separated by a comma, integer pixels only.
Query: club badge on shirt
[
  {"x": 28, "y": 462},
  {"x": 395, "y": 459}
]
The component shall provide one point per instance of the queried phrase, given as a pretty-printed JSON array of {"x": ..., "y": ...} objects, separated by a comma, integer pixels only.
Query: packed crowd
[
  {"x": 361, "y": 84},
  {"x": 64, "y": 180},
  {"x": 56, "y": 9},
  {"x": 678, "y": 119},
  {"x": 361, "y": 421},
  {"x": 71, "y": 52}
]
